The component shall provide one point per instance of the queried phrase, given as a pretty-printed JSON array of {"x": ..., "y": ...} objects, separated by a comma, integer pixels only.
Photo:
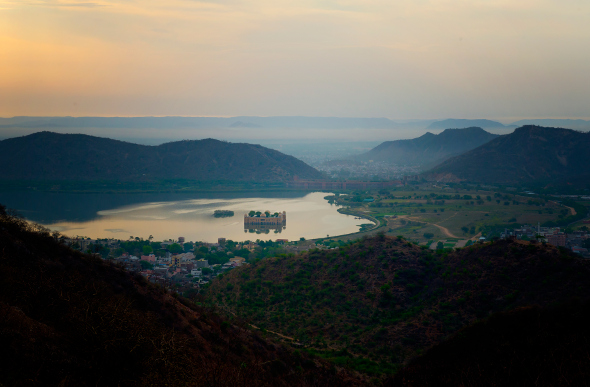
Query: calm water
[{"x": 168, "y": 216}]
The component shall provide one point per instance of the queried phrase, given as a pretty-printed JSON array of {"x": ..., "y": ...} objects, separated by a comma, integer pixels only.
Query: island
[{"x": 223, "y": 214}]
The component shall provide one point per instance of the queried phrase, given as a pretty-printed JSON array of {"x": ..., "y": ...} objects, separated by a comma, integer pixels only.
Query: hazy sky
[{"x": 390, "y": 58}]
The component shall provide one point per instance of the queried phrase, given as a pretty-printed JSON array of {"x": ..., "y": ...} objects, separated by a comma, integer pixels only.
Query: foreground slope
[
  {"x": 527, "y": 346},
  {"x": 429, "y": 149},
  {"x": 73, "y": 320},
  {"x": 530, "y": 154},
  {"x": 53, "y": 156},
  {"x": 378, "y": 302}
]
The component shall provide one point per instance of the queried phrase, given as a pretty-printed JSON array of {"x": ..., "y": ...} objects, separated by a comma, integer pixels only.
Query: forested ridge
[
  {"x": 377, "y": 303},
  {"x": 51, "y": 156}
]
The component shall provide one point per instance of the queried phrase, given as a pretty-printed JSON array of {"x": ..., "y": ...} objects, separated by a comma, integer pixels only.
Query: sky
[{"x": 401, "y": 59}]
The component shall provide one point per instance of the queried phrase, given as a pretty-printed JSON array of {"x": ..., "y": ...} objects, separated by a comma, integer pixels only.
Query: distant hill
[
  {"x": 530, "y": 154},
  {"x": 295, "y": 122},
  {"x": 463, "y": 123},
  {"x": 72, "y": 319},
  {"x": 429, "y": 149},
  {"x": 559, "y": 123},
  {"x": 376, "y": 303},
  {"x": 52, "y": 156}
]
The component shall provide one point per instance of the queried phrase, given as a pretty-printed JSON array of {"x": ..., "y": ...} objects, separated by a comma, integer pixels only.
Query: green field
[{"x": 428, "y": 213}]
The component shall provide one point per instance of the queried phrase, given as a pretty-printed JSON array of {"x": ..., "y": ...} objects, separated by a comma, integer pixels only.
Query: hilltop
[
  {"x": 465, "y": 123},
  {"x": 532, "y": 154},
  {"x": 75, "y": 320},
  {"x": 376, "y": 303},
  {"x": 53, "y": 156},
  {"x": 429, "y": 149}
]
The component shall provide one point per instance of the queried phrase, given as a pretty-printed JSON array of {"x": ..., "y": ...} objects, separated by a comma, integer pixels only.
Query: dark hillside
[
  {"x": 429, "y": 149},
  {"x": 53, "y": 156},
  {"x": 530, "y": 154},
  {"x": 527, "y": 346},
  {"x": 378, "y": 302},
  {"x": 70, "y": 319}
]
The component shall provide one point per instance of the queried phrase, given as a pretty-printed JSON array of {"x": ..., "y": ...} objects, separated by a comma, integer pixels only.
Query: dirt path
[
  {"x": 445, "y": 231},
  {"x": 276, "y": 333},
  {"x": 442, "y": 228},
  {"x": 255, "y": 327},
  {"x": 573, "y": 211}
]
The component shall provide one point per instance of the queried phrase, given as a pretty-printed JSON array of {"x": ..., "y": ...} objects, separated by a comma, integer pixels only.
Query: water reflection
[{"x": 168, "y": 216}]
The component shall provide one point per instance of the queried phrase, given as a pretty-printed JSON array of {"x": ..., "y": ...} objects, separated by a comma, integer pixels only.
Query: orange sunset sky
[{"x": 397, "y": 59}]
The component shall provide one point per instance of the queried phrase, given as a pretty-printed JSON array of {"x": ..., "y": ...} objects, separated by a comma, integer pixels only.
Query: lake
[{"x": 169, "y": 216}]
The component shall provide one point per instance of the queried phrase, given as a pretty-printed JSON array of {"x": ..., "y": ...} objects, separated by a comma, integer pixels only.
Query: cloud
[
  {"x": 401, "y": 59},
  {"x": 57, "y": 3}
]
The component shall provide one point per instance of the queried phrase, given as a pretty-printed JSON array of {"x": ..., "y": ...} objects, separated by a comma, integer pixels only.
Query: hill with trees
[
  {"x": 52, "y": 156},
  {"x": 532, "y": 154},
  {"x": 72, "y": 319},
  {"x": 429, "y": 149},
  {"x": 377, "y": 303},
  {"x": 526, "y": 346}
]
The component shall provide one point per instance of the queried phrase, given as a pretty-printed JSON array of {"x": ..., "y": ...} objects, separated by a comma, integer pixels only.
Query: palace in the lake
[{"x": 265, "y": 219}]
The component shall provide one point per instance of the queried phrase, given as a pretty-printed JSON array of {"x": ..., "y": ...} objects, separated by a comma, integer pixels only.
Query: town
[{"x": 186, "y": 266}]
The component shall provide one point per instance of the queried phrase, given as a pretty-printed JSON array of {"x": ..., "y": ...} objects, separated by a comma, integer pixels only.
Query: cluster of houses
[
  {"x": 180, "y": 272},
  {"x": 555, "y": 236}
]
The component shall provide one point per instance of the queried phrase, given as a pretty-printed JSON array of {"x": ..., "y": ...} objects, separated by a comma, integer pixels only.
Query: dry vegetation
[
  {"x": 72, "y": 320},
  {"x": 377, "y": 303}
]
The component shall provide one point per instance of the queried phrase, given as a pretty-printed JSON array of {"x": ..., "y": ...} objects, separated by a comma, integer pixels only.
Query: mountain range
[
  {"x": 529, "y": 154},
  {"x": 293, "y": 122},
  {"x": 464, "y": 123},
  {"x": 52, "y": 156},
  {"x": 429, "y": 149}
]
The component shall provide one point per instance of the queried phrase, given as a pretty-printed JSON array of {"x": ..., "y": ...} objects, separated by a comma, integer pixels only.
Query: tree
[
  {"x": 147, "y": 250},
  {"x": 440, "y": 245},
  {"x": 251, "y": 213},
  {"x": 175, "y": 248},
  {"x": 145, "y": 265},
  {"x": 428, "y": 235}
]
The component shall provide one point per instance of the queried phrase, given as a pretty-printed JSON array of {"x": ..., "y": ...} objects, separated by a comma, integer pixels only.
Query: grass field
[{"x": 452, "y": 215}]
